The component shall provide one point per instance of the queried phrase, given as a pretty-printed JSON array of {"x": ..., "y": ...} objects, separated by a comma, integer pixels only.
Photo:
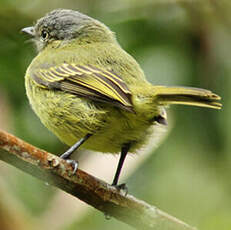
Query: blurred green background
[{"x": 179, "y": 42}]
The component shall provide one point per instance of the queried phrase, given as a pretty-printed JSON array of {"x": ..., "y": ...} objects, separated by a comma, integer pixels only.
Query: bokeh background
[{"x": 177, "y": 42}]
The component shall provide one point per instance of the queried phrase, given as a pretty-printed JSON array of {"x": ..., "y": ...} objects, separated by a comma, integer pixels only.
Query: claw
[
  {"x": 122, "y": 187},
  {"x": 74, "y": 165}
]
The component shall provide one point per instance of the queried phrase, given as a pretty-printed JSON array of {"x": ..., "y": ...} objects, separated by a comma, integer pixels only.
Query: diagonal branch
[{"x": 97, "y": 193}]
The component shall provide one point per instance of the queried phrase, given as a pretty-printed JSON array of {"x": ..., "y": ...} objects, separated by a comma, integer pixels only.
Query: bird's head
[{"x": 62, "y": 26}]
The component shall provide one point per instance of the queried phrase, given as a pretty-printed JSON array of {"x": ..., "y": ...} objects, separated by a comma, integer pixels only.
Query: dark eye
[{"x": 44, "y": 34}]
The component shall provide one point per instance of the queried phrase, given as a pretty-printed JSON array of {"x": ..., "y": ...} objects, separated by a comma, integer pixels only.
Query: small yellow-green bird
[{"x": 89, "y": 92}]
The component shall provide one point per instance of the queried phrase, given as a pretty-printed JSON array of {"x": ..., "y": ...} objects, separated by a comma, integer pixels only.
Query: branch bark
[{"x": 97, "y": 193}]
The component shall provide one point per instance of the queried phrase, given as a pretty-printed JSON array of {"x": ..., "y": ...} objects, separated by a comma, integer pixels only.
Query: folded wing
[{"x": 86, "y": 81}]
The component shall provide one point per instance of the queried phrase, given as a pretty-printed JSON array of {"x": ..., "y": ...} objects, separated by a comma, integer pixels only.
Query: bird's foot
[
  {"x": 122, "y": 187},
  {"x": 74, "y": 165}
]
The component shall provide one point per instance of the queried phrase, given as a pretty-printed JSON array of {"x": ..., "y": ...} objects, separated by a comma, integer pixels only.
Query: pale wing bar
[{"x": 87, "y": 81}]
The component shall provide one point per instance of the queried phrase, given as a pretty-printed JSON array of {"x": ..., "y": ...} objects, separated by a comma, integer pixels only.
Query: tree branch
[{"x": 97, "y": 193}]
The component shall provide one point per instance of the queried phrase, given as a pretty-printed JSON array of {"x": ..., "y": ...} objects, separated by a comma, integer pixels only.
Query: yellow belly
[{"x": 71, "y": 118}]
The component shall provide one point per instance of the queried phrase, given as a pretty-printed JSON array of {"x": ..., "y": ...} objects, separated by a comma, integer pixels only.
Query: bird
[{"x": 91, "y": 93}]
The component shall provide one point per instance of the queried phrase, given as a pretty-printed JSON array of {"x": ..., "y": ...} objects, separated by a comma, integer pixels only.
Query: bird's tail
[{"x": 186, "y": 96}]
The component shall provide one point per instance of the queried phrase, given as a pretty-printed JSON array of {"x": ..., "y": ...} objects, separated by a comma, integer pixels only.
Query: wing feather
[{"x": 87, "y": 81}]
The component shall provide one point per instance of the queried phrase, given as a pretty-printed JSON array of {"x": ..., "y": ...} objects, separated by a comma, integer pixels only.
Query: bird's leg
[
  {"x": 68, "y": 153},
  {"x": 123, "y": 155}
]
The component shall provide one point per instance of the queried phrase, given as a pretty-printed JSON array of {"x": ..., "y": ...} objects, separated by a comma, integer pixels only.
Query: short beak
[{"x": 29, "y": 30}]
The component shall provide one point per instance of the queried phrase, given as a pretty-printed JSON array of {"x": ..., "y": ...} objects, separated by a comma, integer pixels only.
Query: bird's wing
[{"x": 86, "y": 81}]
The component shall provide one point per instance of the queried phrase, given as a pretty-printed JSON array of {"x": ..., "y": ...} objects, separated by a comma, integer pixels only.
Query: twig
[{"x": 87, "y": 188}]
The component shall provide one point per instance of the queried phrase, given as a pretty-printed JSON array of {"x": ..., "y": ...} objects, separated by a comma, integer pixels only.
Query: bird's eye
[{"x": 44, "y": 34}]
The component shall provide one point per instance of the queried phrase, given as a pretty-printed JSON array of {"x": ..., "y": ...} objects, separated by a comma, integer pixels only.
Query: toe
[
  {"x": 122, "y": 187},
  {"x": 74, "y": 165}
]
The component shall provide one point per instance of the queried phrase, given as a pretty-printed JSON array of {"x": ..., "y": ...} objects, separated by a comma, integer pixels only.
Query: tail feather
[{"x": 187, "y": 96}]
